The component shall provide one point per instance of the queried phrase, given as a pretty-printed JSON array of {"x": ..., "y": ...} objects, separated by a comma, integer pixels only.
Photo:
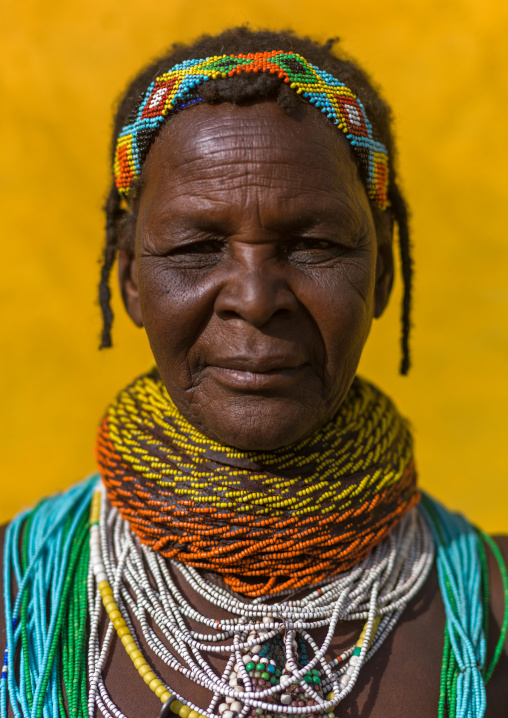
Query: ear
[
  {"x": 128, "y": 279},
  {"x": 384, "y": 260}
]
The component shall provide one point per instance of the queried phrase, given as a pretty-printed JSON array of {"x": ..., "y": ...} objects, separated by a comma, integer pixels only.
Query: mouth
[{"x": 250, "y": 374}]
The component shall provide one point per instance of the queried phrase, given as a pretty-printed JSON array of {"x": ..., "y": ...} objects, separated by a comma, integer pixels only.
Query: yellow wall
[{"x": 443, "y": 66}]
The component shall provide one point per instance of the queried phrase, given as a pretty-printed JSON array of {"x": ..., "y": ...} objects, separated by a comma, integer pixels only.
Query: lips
[{"x": 258, "y": 373}]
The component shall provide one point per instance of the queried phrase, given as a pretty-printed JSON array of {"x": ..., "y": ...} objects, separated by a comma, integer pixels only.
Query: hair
[{"x": 256, "y": 88}]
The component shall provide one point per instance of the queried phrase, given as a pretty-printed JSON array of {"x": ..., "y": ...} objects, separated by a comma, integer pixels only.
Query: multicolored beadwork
[
  {"x": 326, "y": 500},
  {"x": 57, "y": 583},
  {"x": 178, "y": 87},
  {"x": 275, "y": 664}
]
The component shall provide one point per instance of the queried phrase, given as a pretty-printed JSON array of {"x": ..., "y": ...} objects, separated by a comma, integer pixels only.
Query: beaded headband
[{"x": 177, "y": 88}]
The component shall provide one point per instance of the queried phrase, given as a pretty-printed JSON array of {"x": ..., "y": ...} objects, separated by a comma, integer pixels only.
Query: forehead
[{"x": 252, "y": 155}]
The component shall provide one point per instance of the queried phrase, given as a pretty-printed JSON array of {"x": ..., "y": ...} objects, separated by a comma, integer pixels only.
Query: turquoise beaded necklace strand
[
  {"x": 47, "y": 553},
  {"x": 463, "y": 578}
]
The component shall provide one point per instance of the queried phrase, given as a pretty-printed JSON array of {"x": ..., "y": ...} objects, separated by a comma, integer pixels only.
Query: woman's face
[{"x": 257, "y": 270}]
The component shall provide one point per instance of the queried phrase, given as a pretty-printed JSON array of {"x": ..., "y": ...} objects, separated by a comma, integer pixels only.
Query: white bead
[
  {"x": 236, "y": 707},
  {"x": 148, "y": 593},
  {"x": 285, "y": 699},
  {"x": 264, "y": 660}
]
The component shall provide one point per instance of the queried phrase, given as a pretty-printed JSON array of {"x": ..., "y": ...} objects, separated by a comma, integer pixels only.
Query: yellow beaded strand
[{"x": 128, "y": 642}]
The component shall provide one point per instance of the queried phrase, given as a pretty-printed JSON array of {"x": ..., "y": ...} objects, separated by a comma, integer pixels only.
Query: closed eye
[
  {"x": 204, "y": 246},
  {"x": 312, "y": 250},
  {"x": 306, "y": 244},
  {"x": 201, "y": 254}
]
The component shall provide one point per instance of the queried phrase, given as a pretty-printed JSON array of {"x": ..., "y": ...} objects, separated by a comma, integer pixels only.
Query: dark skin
[{"x": 257, "y": 269}]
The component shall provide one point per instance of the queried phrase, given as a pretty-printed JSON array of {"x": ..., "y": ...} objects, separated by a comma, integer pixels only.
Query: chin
[{"x": 263, "y": 424}]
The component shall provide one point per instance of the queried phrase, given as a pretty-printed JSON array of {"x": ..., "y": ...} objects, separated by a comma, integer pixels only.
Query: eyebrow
[{"x": 321, "y": 216}]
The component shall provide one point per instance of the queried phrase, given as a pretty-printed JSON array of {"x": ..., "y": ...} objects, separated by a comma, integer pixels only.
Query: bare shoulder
[
  {"x": 502, "y": 542},
  {"x": 497, "y": 687},
  {"x": 498, "y": 564}
]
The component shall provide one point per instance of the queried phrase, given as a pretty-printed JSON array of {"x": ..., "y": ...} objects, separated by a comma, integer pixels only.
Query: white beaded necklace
[{"x": 377, "y": 590}]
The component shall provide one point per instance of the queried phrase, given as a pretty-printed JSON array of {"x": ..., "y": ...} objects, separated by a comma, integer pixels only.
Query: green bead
[
  {"x": 277, "y": 672},
  {"x": 307, "y": 679},
  {"x": 260, "y": 667},
  {"x": 274, "y": 680},
  {"x": 316, "y": 679},
  {"x": 315, "y": 672},
  {"x": 250, "y": 666},
  {"x": 266, "y": 676}
]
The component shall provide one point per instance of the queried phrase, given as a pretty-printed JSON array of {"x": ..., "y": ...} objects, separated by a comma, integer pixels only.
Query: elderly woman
[{"x": 256, "y": 544}]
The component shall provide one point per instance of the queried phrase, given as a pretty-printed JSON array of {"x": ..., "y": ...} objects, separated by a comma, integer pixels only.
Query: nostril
[
  {"x": 257, "y": 298},
  {"x": 256, "y": 319},
  {"x": 228, "y": 314}
]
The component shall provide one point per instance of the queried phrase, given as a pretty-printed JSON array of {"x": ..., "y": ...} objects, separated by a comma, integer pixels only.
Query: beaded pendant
[{"x": 266, "y": 665}]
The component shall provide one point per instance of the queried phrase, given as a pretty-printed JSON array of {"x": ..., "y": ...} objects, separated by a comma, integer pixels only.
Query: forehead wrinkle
[
  {"x": 207, "y": 131},
  {"x": 243, "y": 184},
  {"x": 234, "y": 170},
  {"x": 216, "y": 155},
  {"x": 302, "y": 210}
]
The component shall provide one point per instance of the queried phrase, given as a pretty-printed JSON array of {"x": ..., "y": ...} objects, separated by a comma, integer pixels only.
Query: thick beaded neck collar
[{"x": 292, "y": 517}]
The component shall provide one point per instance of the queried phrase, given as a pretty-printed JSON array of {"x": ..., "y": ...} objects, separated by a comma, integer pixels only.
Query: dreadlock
[{"x": 252, "y": 88}]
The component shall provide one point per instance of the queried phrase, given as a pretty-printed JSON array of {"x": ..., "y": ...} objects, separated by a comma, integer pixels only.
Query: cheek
[
  {"x": 175, "y": 306},
  {"x": 343, "y": 310}
]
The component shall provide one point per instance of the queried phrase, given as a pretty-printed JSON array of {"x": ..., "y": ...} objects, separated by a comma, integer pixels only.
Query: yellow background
[{"x": 442, "y": 64}]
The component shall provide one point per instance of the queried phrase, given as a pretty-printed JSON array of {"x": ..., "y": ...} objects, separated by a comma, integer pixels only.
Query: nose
[{"x": 256, "y": 289}]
